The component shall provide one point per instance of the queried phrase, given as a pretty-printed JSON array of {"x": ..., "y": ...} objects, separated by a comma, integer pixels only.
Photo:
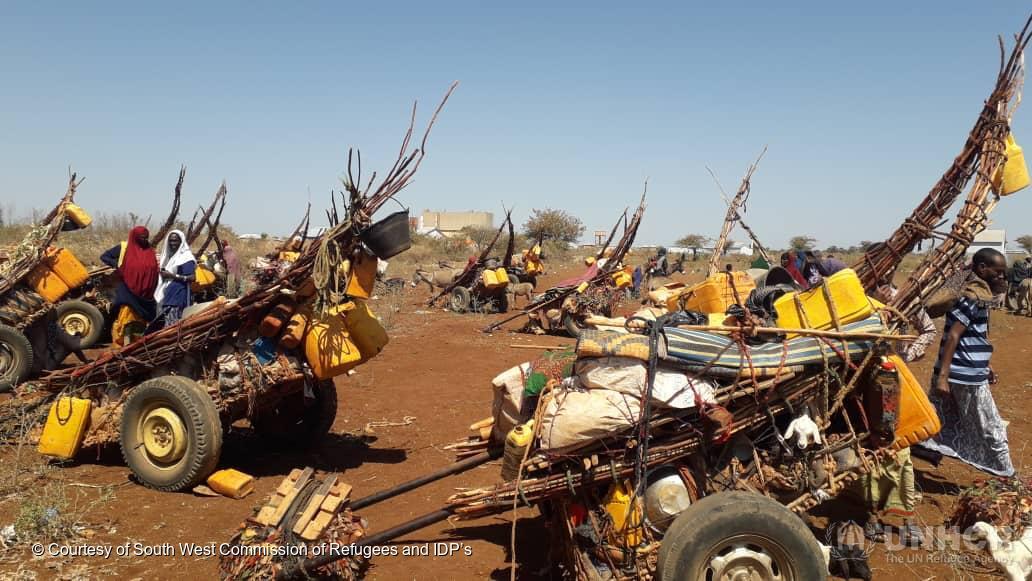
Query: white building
[{"x": 995, "y": 239}]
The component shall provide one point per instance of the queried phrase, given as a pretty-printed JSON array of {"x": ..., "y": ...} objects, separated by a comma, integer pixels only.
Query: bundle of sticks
[
  {"x": 554, "y": 297},
  {"x": 205, "y": 331},
  {"x": 981, "y": 157},
  {"x": 31, "y": 250}
]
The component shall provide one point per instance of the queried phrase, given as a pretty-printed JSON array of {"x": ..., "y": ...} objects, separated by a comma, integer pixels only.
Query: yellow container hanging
[
  {"x": 329, "y": 349},
  {"x": 626, "y": 512},
  {"x": 1013, "y": 174},
  {"x": 363, "y": 277},
  {"x": 77, "y": 215},
  {"x": 66, "y": 425},
  {"x": 490, "y": 279},
  {"x": 918, "y": 420},
  {"x": 366, "y": 331}
]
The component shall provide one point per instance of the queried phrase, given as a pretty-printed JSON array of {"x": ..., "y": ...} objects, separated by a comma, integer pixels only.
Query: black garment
[{"x": 147, "y": 308}]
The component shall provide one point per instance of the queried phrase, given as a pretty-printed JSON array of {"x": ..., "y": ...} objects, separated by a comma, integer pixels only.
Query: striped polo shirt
[{"x": 970, "y": 364}]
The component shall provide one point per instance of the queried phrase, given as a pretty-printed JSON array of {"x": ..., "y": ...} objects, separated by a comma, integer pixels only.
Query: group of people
[
  {"x": 154, "y": 288},
  {"x": 808, "y": 267}
]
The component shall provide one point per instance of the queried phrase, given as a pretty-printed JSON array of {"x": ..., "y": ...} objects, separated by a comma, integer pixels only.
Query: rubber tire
[
  {"x": 460, "y": 299},
  {"x": 203, "y": 426},
  {"x": 300, "y": 428},
  {"x": 96, "y": 318},
  {"x": 21, "y": 353},
  {"x": 705, "y": 524},
  {"x": 571, "y": 325}
]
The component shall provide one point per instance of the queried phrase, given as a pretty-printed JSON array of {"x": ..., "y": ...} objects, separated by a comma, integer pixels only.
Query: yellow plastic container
[
  {"x": 203, "y": 278},
  {"x": 231, "y": 483},
  {"x": 515, "y": 448},
  {"x": 329, "y": 349},
  {"x": 715, "y": 294},
  {"x": 366, "y": 331},
  {"x": 622, "y": 279},
  {"x": 845, "y": 290},
  {"x": 46, "y": 282},
  {"x": 917, "y": 420},
  {"x": 288, "y": 256},
  {"x": 490, "y": 279},
  {"x": 582, "y": 287},
  {"x": 363, "y": 277},
  {"x": 502, "y": 276},
  {"x": 627, "y": 520},
  {"x": 1013, "y": 175},
  {"x": 66, "y": 425},
  {"x": 78, "y": 216},
  {"x": 533, "y": 266},
  {"x": 67, "y": 267},
  {"x": 295, "y": 330}
]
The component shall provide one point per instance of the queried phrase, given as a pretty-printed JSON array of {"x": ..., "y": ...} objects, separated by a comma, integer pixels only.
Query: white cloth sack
[
  {"x": 620, "y": 374},
  {"x": 574, "y": 418},
  {"x": 508, "y": 398},
  {"x": 673, "y": 388}
]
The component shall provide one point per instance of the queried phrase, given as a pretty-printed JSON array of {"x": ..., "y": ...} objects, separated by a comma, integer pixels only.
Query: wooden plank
[
  {"x": 336, "y": 498},
  {"x": 315, "y": 528},
  {"x": 289, "y": 497},
  {"x": 313, "y": 504}
]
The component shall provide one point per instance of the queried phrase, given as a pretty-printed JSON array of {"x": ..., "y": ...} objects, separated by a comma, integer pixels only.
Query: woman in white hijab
[{"x": 178, "y": 266}]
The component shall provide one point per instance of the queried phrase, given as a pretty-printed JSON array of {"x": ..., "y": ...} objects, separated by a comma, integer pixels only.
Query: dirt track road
[{"x": 436, "y": 370}]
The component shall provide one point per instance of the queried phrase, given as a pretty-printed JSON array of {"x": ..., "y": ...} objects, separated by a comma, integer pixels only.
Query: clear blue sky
[{"x": 562, "y": 104}]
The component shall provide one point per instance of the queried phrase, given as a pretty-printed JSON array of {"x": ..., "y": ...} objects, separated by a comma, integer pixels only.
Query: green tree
[
  {"x": 551, "y": 224},
  {"x": 482, "y": 236},
  {"x": 1025, "y": 242},
  {"x": 693, "y": 241},
  {"x": 801, "y": 243}
]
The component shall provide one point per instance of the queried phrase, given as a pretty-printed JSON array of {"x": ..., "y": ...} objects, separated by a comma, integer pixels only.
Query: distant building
[
  {"x": 250, "y": 237},
  {"x": 451, "y": 223},
  {"x": 996, "y": 239}
]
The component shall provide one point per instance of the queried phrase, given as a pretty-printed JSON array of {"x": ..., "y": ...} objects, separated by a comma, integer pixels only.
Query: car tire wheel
[
  {"x": 733, "y": 535},
  {"x": 82, "y": 318},
  {"x": 15, "y": 357},
  {"x": 171, "y": 434}
]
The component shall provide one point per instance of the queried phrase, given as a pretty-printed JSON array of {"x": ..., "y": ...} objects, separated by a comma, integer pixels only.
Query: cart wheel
[
  {"x": 171, "y": 433},
  {"x": 572, "y": 324},
  {"x": 82, "y": 319},
  {"x": 460, "y": 299},
  {"x": 299, "y": 420},
  {"x": 15, "y": 357},
  {"x": 740, "y": 535}
]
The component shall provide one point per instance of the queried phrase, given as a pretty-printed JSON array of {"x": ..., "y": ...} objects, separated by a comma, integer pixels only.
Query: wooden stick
[
  {"x": 805, "y": 332},
  {"x": 516, "y": 346}
]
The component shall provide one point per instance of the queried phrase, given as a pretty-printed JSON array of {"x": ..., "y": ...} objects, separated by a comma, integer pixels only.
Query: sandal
[
  {"x": 910, "y": 535},
  {"x": 874, "y": 531}
]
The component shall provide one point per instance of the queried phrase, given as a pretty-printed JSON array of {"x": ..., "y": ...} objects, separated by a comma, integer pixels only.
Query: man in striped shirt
[{"x": 972, "y": 429}]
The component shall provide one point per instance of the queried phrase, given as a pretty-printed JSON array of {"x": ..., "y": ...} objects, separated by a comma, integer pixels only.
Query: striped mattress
[{"x": 694, "y": 350}]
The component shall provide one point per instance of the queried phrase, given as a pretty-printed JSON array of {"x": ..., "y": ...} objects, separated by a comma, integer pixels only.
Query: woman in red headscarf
[{"x": 137, "y": 266}]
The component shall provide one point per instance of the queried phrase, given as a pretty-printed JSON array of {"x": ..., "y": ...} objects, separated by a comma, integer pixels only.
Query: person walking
[{"x": 972, "y": 429}]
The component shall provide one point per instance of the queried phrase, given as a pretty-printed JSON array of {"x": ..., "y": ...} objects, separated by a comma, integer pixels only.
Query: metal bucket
[{"x": 388, "y": 237}]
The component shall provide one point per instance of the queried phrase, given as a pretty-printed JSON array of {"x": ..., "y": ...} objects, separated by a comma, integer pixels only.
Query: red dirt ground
[{"x": 436, "y": 369}]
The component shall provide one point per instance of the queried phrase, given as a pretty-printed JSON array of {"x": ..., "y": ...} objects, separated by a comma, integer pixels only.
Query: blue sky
[{"x": 561, "y": 104}]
